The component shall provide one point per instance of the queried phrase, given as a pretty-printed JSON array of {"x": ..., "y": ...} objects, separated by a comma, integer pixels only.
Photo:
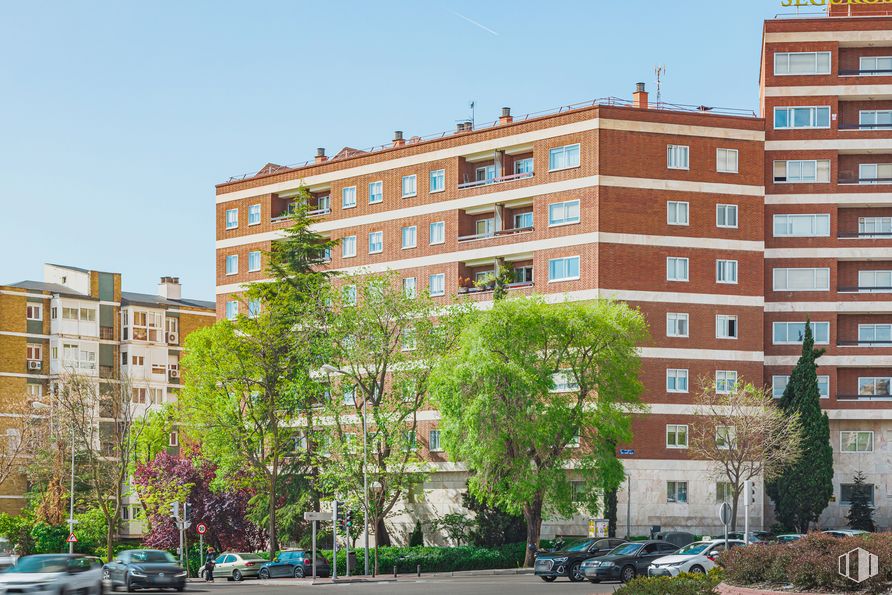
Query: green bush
[
  {"x": 683, "y": 584},
  {"x": 436, "y": 559}
]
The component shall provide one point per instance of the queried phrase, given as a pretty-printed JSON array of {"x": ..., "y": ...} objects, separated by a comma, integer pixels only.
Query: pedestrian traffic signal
[
  {"x": 348, "y": 519},
  {"x": 175, "y": 510},
  {"x": 187, "y": 512}
]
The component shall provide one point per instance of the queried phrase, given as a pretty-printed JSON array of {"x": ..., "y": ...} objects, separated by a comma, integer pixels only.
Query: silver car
[{"x": 53, "y": 574}]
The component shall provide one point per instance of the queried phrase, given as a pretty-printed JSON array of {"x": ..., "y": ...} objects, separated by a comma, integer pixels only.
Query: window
[
  {"x": 875, "y": 119},
  {"x": 173, "y": 439},
  {"x": 485, "y": 227},
  {"x": 376, "y": 192},
  {"x": 725, "y": 326},
  {"x": 523, "y": 220},
  {"x": 376, "y": 242},
  {"x": 725, "y": 380},
  {"x": 793, "y": 333},
  {"x": 438, "y": 180},
  {"x": 850, "y": 441},
  {"x": 253, "y": 261},
  {"x": 231, "y": 310},
  {"x": 409, "y": 339},
  {"x": 677, "y": 492},
  {"x": 409, "y": 287},
  {"x": 437, "y": 233},
  {"x": 874, "y": 173},
  {"x": 779, "y": 385},
  {"x": 409, "y": 236},
  {"x": 563, "y": 213},
  {"x": 801, "y": 117},
  {"x": 677, "y": 156},
  {"x": 676, "y": 268},
  {"x": 564, "y": 382},
  {"x": 677, "y": 213},
  {"x": 349, "y": 293},
  {"x": 867, "y": 226},
  {"x": 88, "y": 314},
  {"x": 138, "y": 360},
  {"x": 231, "y": 218},
  {"x": 232, "y": 264},
  {"x": 125, "y": 513},
  {"x": 563, "y": 269},
  {"x": 801, "y": 279},
  {"x": 33, "y": 352},
  {"x": 433, "y": 442},
  {"x": 874, "y": 280},
  {"x": 348, "y": 197},
  {"x": 253, "y": 308},
  {"x": 437, "y": 284},
  {"x": 725, "y": 437},
  {"x": 874, "y": 385},
  {"x": 523, "y": 166},
  {"x": 563, "y": 157},
  {"x": 523, "y": 274},
  {"x": 138, "y": 395},
  {"x": 726, "y": 161},
  {"x": 724, "y": 491},
  {"x": 801, "y": 63},
  {"x": 254, "y": 215},
  {"x": 676, "y": 324},
  {"x": 411, "y": 440},
  {"x": 34, "y": 312},
  {"x": 847, "y": 489},
  {"x": 486, "y": 173},
  {"x": 875, "y": 65},
  {"x": 349, "y": 396},
  {"x": 726, "y": 271},
  {"x": 69, "y": 313},
  {"x": 348, "y": 247},
  {"x": 35, "y": 391},
  {"x": 802, "y": 171},
  {"x": 803, "y": 226},
  {"x": 676, "y": 436},
  {"x": 726, "y": 216},
  {"x": 875, "y": 333},
  {"x": 409, "y": 186},
  {"x": 676, "y": 380}
]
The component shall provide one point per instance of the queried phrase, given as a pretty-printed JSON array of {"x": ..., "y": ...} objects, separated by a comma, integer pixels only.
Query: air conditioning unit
[
  {"x": 174, "y": 373},
  {"x": 35, "y": 365},
  {"x": 173, "y": 338}
]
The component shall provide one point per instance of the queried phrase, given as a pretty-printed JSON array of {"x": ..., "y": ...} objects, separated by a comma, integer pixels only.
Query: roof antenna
[
  {"x": 660, "y": 71},
  {"x": 473, "y": 122}
]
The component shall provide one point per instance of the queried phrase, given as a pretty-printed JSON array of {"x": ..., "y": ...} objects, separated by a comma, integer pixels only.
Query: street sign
[
  {"x": 71, "y": 539},
  {"x": 725, "y": 513},
  {"x": 201, "y": 528},
  {"x": 627, "y": 451},
  {"x": 317, "y": 516}
]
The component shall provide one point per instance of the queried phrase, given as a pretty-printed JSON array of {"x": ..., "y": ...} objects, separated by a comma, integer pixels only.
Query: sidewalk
[{"x": 412, "y": 576}]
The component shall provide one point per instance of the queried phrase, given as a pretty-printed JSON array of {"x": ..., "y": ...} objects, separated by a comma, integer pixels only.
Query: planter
[{"x": 725, "y": 589}]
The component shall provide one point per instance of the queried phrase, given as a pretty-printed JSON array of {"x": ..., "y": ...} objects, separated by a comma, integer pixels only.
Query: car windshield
[
  {"x": 580, "y": 547},
  {"x": 250, "y": 557},
  {"x": 693, "y": 548},
  {"x": 152, "y": 557},
  {"x": 40, "y": 564},
  {"x": 626, "y": 549}
]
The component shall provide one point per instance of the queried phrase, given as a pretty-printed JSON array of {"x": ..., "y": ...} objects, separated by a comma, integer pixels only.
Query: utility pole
[
  {"x": 334, "y": 542},
  {"x": 71, "y": 520},
  {"x": 365, "y": 481},
  {"x": 628, "y": 506}
]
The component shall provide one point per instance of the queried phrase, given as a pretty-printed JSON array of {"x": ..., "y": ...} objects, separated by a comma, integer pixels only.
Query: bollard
[
  {"x": 394, "y": 571},
  {"x": 418, "y": 570}
]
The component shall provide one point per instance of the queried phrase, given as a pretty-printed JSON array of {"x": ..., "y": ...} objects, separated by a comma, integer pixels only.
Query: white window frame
[
  {"x": 231, "y": 309},
  {"x": 231, "y": 222},
  {"x": 722, "y": 324},
  {"x": 781, "y": 57},
  {"x": 568, "y": 260},
  {"x": 33, "y": 311},
  {"x": 430, "y": 441},
  {"x": 722, "y": 211},
  {"x": 725, "y": 437},
  {"x": 410, "y": 287},
  {"x": 874, "y": 273},
  {"x": 251, "y": 256},
  {"x": 413, "y": 230},
  {"x": 724, "y": 164},
  {"x": 786, "y": 324},
  {"x": 726, "y": 271},
  {"x": 725, "y": 380},
  {"x": 437, "y": 174},
  {"x": 673, "y": 319},
  {"x": 876, "y": 59},
  {"x": 785, "y": 271},
  {"x": 879, "y": 225},
  {"x": 441, "y": 281},
  {"x": 674, "y": 499},
  {"x": 348, "y": 197},
  {"x": 874, "y": 326},
  {"x": 380, "y": 235},
  {"x": 231, "y": 264},
  {"x": 844, "y": 434},
  {"x": 673, "y": 429},
  {"x": 823, "y": 380},
  {"x": 414, "y": 189},
  {"x": 252, "y": 210},
  {"x": 788, "y": 223},
  {"x": 566, "y": 217},
  {"x": 791, "y": 117},
  {"x": 675, "y": 209},
  {"x": 375, "y": 198},
  {"x": 676, "y": 374},
  {"x": 874, "y": 114},
  {"x": 564, "y": 153},
  {"x": 441, "y": 226},
  {"x": 672, "y": 263},
  {"x": 254, "y": 306},
  {"x": 822, "y": 171},
  {"x": 874, "y": 379},
  {"x": 678, "y": 157},
  {"x": 348, "y": 242}
]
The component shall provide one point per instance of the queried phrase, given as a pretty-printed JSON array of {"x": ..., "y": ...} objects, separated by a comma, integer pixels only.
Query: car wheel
[
  {"x": 627, "y": 574},
  {"x": 548, "y": 579},
  {"x": 237, "y": 575},
  {"x": 594, "y": 581},
  {"x": 298, "y": 572},
  {"x": 264, "y": 574},
  {"x": 575, "y": 573},
  {"x": 181, "y": 588},
  {"x": 697, "y": 570}
]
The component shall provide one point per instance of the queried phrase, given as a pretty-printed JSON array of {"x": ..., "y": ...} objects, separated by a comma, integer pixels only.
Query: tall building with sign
[{"x": 727, "y": 230}]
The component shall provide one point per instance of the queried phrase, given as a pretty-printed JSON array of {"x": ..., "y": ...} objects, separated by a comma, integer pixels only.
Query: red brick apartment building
[{"x": 716, "y": 225}]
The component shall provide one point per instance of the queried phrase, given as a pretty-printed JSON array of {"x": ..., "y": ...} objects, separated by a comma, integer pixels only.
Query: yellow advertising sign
[{"x": 804, "y": 3}]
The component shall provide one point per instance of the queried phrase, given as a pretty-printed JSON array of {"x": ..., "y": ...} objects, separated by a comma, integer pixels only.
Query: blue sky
[{"x": 117, "y": 118}]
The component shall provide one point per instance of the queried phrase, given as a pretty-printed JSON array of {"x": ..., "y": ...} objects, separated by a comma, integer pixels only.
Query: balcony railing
[
  {"x": 864, "y": 234},
  {"x": 848, "y": 72},
  {"x": 864, "y": 397},
  {"x": 489, "y": 288},
  {"x": 492, "y": 234},
  {"x": 287, "y": 213},
  {"x": 498, "y": 180},
  {"x": 106, "y": 371},
  {"x": 107, "y": 333},
  {"x": 864, "y": 343},
  {"x": 872, "y": 289},
  {"x": 867, "y": 181},
  {"x": 865, "y": 126}
]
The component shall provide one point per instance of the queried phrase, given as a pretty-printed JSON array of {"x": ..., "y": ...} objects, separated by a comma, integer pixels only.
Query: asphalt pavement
[{"x": 434, "y": 584}]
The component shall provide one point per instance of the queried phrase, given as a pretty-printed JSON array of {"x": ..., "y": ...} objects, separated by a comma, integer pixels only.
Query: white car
[
  {"x": 53, "y": 574},
  {"x": 696, "y": 558}
]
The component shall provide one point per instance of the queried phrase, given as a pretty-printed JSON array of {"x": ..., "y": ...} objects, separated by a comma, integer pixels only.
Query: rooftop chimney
[
  {"x": 320, "y": 155},
  {"x": 398, "y": 138},
  {"x": 464, "y": 127},
  {"x": 639, "y": 97},
  {"x": 506, "y": 117},
  {"x": 170, "y": 288}
]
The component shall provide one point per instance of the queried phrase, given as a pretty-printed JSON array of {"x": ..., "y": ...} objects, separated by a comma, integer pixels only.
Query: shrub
[
  {"x": 683, "y": 584},
  {"x": 416, "y": 538},
  {"x": 438, "y": 559}
]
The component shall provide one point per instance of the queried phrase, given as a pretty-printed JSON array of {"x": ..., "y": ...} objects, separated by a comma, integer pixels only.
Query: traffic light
[
  {"x": 187, "y": 512},
  {"x": 752, "y": 494},
  {"x": 348, "y": 519},
  {"x": 175, "y": 510}
]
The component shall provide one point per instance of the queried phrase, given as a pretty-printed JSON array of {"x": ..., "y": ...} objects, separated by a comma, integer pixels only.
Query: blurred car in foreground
[
  {"x": 238, "y": 566},
  {"x": 789, "y": 537},
  {"x": 626, "y": 561},
  {"x": 844, "y": 532},
  {"x": 144, "y": 569},
  {"x": 567, "y": 562},
  {"x": 296, "y": 564},
  {"x": 53, "y": 574},
  {"x": 696, "y": 558},
  {"x": 755, "y": 536}
]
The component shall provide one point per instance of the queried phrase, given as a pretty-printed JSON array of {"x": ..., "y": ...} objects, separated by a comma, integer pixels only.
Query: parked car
[
  {"x": 696, "y": 558},
  {"x": 627, "y": 561},
  {"x": 294, "y": 563},
  {"x": 755, "y": 536},
  {"x": 144, "y": 569},
  {"x": 53, "y": 573},
  {"x": 237, "y": 566},
  {"x": 566, "y": 562},
  {"x": 677, "y": 538},
  {"x": 844, "y": 532},
  {"x": 789, "y": 537}
]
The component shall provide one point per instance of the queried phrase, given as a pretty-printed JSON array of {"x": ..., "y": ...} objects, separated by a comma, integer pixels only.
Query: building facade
[{"x": 80, "y": 321}]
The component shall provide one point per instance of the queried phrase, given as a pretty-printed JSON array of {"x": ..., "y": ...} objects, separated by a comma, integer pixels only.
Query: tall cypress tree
[
  {"x": 804, "y": 489},
  {"x": 861, "y": 512}
]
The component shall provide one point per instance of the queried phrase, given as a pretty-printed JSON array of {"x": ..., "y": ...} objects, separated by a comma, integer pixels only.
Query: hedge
[
  {"x": 683, "y": 584},
  {"x": 436, "y": 559}
]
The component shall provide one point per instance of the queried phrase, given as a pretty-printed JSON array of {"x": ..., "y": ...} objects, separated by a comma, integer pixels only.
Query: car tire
[
  {"x": 237, "y": 575},
  {"x": 548, "y": 579},
  {"x": 181, "y": 588},
  {"x": 697, "y": 570},
  {"x": 594, "y": 581},
  {"x": 127, "y": 584},
  {"x": 298, "y": 572},
  {"x": 263, "y": 574},
  {"x": 627, "y": 573},
  {"x": 575, "y": 573}
]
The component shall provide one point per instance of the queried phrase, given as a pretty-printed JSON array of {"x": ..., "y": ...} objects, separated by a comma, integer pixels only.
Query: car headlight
[
  {"x": 675, "y": 563},
  {"x": 180, "y": 575},
  {"x": 606, "y": 564},
  {"x": 139, "y": 573},
  {"x": 562, "y": 559},
  {"x": 589, "y": 563}
]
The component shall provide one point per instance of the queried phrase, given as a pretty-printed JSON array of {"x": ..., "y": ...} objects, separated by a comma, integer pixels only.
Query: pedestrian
[{"x": 209, "y": 564}]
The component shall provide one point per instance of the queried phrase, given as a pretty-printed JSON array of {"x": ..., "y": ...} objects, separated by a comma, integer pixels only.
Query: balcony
[
  {"x": 283, "y": 207},
  {"x": 866, "y": 72},
  {"x": 496, "y": 167},
  {"x": 490, "y": 287},
  {"x": 495, "y": 234},
  {"x": 107, "y": 333},
  {"x": 106, "y": 372},
  {"x": 487, "y": 181}
]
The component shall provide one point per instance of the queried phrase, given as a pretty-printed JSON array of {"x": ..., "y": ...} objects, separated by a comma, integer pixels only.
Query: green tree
[
  {"x": 493, "y": 526},
  {"x": 803, "y": 489},
  {"x": 860, "y": 515},
  {"x": 528, "y": 382},
  {"x": 416, "y": 537}
]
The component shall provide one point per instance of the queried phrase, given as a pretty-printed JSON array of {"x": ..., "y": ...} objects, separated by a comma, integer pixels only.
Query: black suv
[{"x": 566, "y": 562}]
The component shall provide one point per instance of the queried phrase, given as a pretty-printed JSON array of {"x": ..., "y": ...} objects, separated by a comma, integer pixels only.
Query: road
[{"x": 430, "y": 585}]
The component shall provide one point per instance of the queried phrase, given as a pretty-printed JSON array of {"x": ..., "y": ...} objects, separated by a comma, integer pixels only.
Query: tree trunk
[
  {"x": 734, "y": 504},
  {"x": 110, "y": 540},
  {"x": 610, "y": 512},
  {"x": 532, "y": 513},
  {"x": 273, "y": 544},
  {"x": 382, "y": 537}
]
